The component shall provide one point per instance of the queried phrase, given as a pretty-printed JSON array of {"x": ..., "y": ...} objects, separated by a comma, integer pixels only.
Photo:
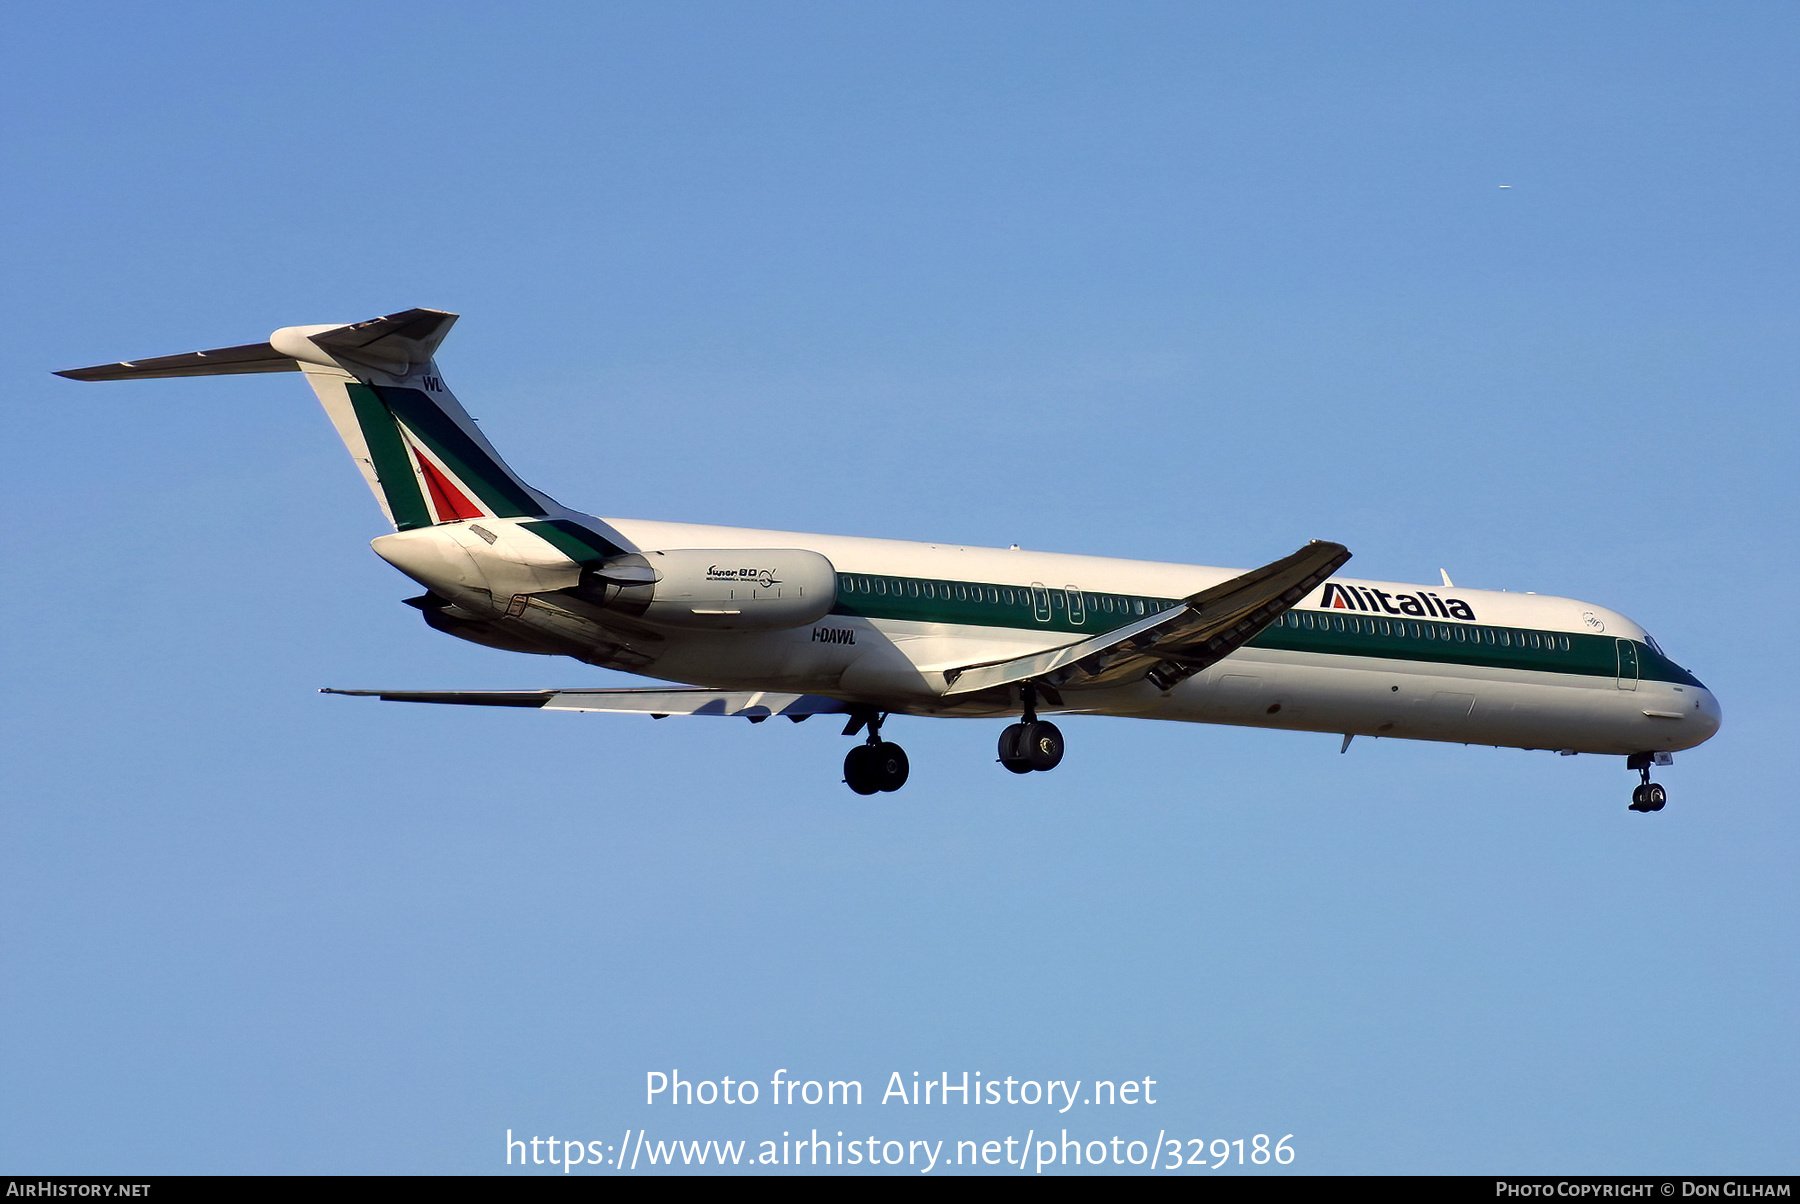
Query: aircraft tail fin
[{"x": 422, "y": 455}]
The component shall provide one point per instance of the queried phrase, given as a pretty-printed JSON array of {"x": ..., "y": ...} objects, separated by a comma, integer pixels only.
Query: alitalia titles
[{"x": 1424, "y": 604}]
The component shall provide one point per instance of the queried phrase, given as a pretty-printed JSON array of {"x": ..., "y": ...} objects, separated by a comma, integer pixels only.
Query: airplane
[{"x": 756, "y": 624}]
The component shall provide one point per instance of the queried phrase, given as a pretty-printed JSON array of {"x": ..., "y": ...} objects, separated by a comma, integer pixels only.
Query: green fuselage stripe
[
  {"x": 575, "y": 541},
  {"x": 393, "y": 463},
  {"x": 1326, "y": 633},
  {"x": 1443, "y": 642},
  {"x": 974, "y": 604}
]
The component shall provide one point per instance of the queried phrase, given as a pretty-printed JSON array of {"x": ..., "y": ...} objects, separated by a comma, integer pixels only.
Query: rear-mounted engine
[{"x": 715, "y": 589}]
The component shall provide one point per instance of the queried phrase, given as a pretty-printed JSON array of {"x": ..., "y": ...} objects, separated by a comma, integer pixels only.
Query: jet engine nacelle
[{"x": 716, "y": 589}]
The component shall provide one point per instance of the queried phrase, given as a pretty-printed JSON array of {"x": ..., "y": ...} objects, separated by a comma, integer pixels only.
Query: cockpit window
[{"x": 1656, "y": 647}]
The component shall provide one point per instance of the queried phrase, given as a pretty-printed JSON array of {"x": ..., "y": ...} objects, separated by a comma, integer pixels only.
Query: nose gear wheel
[{"x": 1648, "y": 795}]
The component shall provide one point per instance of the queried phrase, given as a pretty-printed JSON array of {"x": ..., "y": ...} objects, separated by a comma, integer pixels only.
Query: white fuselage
[{"x": 1357, "y": 657}]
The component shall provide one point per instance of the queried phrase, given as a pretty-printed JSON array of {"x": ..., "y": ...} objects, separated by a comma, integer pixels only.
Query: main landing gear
[
  {"x": 875, "y": 765},
  {"x": 1648, "y": 796},
  {"x": 1033, "y": 744}
]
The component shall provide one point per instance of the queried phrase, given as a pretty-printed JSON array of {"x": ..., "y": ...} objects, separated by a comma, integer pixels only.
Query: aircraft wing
[
  {"x": 754, "y": 705},
  {"x": 1171, "y": 645}
]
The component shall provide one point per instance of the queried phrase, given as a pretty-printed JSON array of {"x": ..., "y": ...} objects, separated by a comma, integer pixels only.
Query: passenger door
[{"x": 1628, "y": 664}]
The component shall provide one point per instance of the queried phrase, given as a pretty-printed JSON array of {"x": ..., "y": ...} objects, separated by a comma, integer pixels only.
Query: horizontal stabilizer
[
  {"x": 395, "y": 344},
  {"x": 221, "y": 361},
  {"x": 748, "y": 704}
]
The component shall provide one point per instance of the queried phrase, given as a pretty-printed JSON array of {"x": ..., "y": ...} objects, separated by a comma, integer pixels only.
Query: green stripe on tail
[{"x": 393, "y": 462}]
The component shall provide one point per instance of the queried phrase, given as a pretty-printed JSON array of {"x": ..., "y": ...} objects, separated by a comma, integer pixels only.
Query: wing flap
[{"x": 1174, "y": 644}]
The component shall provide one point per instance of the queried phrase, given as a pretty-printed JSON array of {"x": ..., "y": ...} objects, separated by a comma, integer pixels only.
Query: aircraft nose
[{"x": 1707, "y": 716}]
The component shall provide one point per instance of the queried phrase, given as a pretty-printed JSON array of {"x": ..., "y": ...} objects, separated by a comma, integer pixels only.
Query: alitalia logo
[{"x": 1424, "y": 604}]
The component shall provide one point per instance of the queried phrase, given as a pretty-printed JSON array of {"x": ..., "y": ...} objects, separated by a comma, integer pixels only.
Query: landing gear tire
[
  {"x": 1011, "y": 751},
  {"x": 1025, "y": 747},
  {"x": 1648, "y": 796},
  {"x": 890, "y": 766},
  {"x": 1043, "y": 745},
  {"x": 861, "y": 773},
  {"x": 876, "y": 768},
  {"x": 875, "y": 765}
]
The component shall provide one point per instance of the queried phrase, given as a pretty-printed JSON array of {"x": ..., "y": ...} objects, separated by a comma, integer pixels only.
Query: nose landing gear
[
  {"x": 875, "y": 765},
  {"x": 1035, "y": 744},
  {"x": 1648, "y": 796}
]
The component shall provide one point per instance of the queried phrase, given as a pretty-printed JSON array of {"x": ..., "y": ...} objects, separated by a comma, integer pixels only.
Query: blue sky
[{"x": 1180, "y": 282}]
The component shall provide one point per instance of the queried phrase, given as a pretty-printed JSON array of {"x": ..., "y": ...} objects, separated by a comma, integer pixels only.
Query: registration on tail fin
[{"x": 423, "y": 456}]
